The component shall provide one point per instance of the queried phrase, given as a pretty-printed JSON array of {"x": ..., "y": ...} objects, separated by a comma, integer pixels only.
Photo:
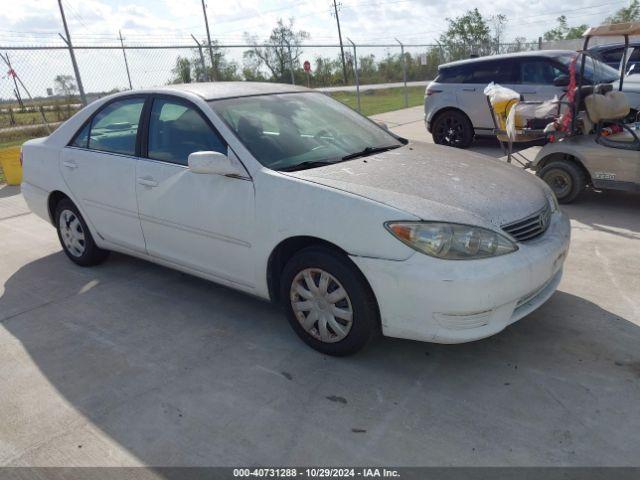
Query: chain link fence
[{"x": 40, "y": 83}]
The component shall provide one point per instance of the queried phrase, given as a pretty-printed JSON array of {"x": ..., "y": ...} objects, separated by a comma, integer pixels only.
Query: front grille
[{"x": 529, "y": 227}]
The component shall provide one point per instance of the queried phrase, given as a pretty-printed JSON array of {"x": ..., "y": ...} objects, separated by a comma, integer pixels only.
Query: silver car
[{"x": 456, "y": 108}]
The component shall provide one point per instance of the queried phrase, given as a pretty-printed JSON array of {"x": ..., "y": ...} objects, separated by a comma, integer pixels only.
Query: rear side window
[
  {"x": 176, "y": 130},
  {"x": 114, "y": 128},
  {"x": 483, "y": 72},
  {"x": 613, "y": 56},
  {"x": 82, "y": 138},
  {"x": 456, "y": 74}
]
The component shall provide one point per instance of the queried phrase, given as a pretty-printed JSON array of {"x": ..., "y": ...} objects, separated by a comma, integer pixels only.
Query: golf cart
[{"x": 595, "y": 139}]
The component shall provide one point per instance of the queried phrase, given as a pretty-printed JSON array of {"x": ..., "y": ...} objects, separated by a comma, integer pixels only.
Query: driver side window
[{"x": 177, "y": 130}]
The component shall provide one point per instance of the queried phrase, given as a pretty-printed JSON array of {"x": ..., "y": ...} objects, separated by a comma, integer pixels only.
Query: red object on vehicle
[
  {"x": 571, "y": 95},
  {"x": 307, "y": 66}
]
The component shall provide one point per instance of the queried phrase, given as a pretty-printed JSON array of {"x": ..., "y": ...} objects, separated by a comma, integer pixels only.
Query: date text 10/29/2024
[{"x": 315, "y": 472}]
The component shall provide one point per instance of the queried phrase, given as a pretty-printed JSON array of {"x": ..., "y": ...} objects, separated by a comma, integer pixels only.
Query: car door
[
  {"x": 470, "y": 93},
  {"x": 99, "y": 168},
  {"x": 201, "y": 221},
  {"x": 535, "y": 76}
]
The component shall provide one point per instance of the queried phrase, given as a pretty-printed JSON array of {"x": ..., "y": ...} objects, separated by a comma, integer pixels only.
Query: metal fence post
[
  {"x": 126, "y": 64},
  {"x": 355, "y": 70},
  {"x": 293, "y": 80},
  {"x": 204, "y": 66},
  {"x": 67, "y": 40},
  {"x": 404, "y": 74}
]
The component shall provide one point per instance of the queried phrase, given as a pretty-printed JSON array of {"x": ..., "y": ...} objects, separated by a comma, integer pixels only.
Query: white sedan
[{"x": 286, "y": 194}]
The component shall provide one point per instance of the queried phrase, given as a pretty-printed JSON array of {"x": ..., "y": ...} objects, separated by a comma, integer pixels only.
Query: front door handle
[
  {"x": 529, "y": 93},
  {"x": 147, "y": 182},
  {"x": 468, "y": 89},
  {"x": 70, "y": 164}
]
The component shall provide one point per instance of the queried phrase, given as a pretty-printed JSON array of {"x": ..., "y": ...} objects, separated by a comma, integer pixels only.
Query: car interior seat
[
  {"x": 251, "y": 132},
  {"x": 611, "y": 107}
]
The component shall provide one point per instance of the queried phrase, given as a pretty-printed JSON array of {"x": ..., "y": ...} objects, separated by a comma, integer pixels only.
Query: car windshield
[
  {"x": 301, "y": 130},
  {"x": 595, "y": 71}
]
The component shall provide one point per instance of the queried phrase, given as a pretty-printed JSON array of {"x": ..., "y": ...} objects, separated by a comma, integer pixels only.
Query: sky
[
  {"x": 372, "y": 21},
  {"x": 38, "y": 22}
]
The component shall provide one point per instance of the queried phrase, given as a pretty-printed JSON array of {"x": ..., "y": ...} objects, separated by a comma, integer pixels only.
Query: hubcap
[
  {"x": 321, "y": 305},
  {"x": 559, "y": 181},
  {"x": 72, "y": 233},
  {"x": 449, "y": 131}
]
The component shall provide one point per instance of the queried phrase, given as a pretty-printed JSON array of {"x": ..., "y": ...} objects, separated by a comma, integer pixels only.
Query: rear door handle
[
  {"x": 468, "y": 89},
  {"x": 147, "y": 182},
  {"x": 70, "y": 164},
  {"x": 529, "y": 93}
]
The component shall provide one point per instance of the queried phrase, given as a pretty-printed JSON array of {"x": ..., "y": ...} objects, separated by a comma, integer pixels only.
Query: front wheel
[
  {"x": 328, "y": 302},
  {"x": 453, "y": 129},
  {"x": 566, "y": 179}
]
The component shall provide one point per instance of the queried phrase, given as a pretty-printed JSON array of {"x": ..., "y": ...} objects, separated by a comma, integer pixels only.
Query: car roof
[
  {"x": 614, "y": 45},
  {"x": 220, "y": 90},
  {"x": 505, "y": 56}
]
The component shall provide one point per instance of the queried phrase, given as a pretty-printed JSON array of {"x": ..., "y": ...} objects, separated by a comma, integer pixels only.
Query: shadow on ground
[
  {"x": 8, "y": 190},
  {"x": 179, "y": 371},
  {"x": 608, "y": 211}
]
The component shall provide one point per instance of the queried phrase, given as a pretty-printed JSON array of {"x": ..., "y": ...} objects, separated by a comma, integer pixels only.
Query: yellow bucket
[{"x": 10, "y": 163}]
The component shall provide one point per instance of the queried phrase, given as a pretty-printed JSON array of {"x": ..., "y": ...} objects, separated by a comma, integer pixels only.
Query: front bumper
[{"x": 447, "y": 301}]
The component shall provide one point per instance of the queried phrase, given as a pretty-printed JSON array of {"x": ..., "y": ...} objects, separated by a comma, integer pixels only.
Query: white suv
[{"x": 456, "y": 108}]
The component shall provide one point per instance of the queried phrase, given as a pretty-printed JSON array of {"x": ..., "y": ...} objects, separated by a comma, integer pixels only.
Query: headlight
[{"x": 451, "y": 241}]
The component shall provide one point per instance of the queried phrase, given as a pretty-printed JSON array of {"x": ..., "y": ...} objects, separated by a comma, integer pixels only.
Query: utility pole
[
  {"x": 67, "y": 40},
  {"x": 344, "y": 65},
  {"x": 126, "y": 64},
  {"x": 206, "y": 24}
]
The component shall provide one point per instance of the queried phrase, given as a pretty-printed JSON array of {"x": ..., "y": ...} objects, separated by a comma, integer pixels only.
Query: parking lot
[{"x": 130, "y": 363}]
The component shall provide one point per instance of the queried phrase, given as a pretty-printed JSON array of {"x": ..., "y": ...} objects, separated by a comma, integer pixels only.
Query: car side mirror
[
  {"x": 382, "y": 124},
  {"x": 561, "y": 81},
  {"x": 212, "y": 163}
]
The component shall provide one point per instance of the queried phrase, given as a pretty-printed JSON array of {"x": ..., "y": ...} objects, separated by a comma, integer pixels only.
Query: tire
[
  {"x": 75, "y": 237},
  {"x": 566, "y": 179},
  {"x": 453, "y": 129},
  {"x": 329, "y": 271}
]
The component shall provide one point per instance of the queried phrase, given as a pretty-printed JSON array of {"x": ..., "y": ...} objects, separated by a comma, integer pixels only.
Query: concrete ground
[{"x": 130, "y": 363}]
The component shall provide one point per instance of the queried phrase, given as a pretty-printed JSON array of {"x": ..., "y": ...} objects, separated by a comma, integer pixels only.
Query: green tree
[
  {"x": 283, "y": 42},
  {"x": 181, "y": 71},
  {"x": 467, "y": 34},
  {"x": 65, "y": 85},
  {"x": 626, "y": 14},
  {"x": 563, "y": 31},
  {"x": 222, "y": 69}
]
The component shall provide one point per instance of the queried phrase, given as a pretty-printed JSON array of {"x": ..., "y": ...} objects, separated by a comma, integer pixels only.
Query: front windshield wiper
[
  {"x": 369, "y": 151},
  {"x": 305, "y": 165},
  {"x": 321, "y": 163}
]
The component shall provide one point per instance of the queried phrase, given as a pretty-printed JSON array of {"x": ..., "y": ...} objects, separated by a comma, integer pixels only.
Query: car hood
[{"x": 438, "y": 183}]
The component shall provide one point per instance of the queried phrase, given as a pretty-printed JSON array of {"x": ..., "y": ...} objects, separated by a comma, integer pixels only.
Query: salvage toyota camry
[{"x": 286, "y": 194}]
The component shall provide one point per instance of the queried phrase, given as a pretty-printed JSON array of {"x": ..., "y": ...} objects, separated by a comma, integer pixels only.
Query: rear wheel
[
  {"x": 75, "y": 237},
  {"x": 566, "y": 179},
  {"x": 328, "y": 302},
  {"x": 453, "y": 129}
]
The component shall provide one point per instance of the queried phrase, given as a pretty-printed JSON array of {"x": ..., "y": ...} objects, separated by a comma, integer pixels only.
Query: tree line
[{"x": 281, "y": 55}]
